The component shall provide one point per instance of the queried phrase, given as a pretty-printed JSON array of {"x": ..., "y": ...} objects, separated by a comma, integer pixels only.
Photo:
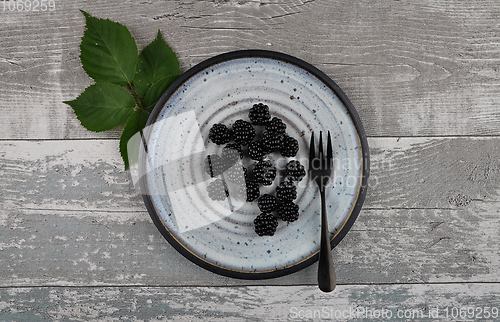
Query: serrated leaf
[
  {"x": 103, "y": 106},
  {"x": 156, "y": 61},
  {"x": 155, "y": 92},
  {"x": 108, "y": 51},
  {"x": 129, "y": 149}
]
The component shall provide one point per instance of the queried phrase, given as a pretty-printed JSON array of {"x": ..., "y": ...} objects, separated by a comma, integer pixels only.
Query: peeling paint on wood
[
  {"x": 405, "y": 173},
  {"x": 414, "y": 302}
]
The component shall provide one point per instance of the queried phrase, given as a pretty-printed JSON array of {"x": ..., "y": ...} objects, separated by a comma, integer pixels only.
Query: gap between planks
[{"x": 232, "y": 286}]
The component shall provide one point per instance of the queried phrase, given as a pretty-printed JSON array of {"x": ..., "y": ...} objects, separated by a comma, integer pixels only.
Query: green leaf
[
  {"x": 108, "y": 51},
  {"x": 156, "y": 61},
  {"x": 129, "y": 149},
  {"x": 155, "y": 92},
  {"x": 103, "y": 106}
]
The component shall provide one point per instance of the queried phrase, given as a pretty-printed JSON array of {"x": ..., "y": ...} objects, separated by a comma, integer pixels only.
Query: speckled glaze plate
[{"x": 219, "y": 235}]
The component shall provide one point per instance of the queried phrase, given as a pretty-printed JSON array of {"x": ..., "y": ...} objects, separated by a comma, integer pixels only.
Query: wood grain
[
  {"x": 411, "y": 69},
  {"x": 70, "y": 216},
  {"x": 416, "y": 302},
  {"x": 434, "y": 172}
]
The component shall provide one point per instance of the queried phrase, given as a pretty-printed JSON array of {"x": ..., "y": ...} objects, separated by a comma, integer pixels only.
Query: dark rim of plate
[{"x": 356, "y": 120}]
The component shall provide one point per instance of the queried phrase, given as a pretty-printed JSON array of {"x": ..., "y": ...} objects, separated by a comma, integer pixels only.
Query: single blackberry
[
  {"x": 295, "y": 171},
  {"x": 243, "y": 132},
  {"x": 259, "y": 114},
  {"x": 290, "y": 147},
  {"x": 272, "y": 141},
  {"x": 250, "y": 191},
  {"x": 219, "y": 134},
  {"x": 267, "y": 203},
  {"x": 265, "y": 224},
  {"x": 256, "y": 150},
  {"x": 231, "y": 153},
  {"x": 217, "y": 190},
  {"x": 288, "y": 211},
  {"x": 286, "y": 191},
  {"x": 264, "y": 172},
  {"x": 214, "y": 165},
  {"x": 276, "y": 125},
  {"x": 236, "y": 174}
]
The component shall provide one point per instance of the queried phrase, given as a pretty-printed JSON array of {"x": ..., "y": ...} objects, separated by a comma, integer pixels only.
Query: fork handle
[{"x": 326, "y": 272}]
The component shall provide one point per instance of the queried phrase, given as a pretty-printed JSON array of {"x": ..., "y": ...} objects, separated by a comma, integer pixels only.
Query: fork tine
[
  {"x": 312, "y": 151},
  {"x": 329, "y": 153},
  {"x": 320, "y": 149}
]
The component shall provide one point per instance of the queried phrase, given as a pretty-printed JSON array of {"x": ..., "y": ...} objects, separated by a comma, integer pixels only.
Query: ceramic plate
[{"x": 219, "y": 235}]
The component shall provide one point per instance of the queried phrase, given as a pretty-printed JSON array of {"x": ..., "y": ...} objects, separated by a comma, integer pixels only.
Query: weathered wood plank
[
  {"x": 69, "y": 216},
  {"x": 438, "y": 302},
  {"x": 405, "y": 173},
  {"x": 78, "y": 175},
  {"x": 434, "y": 172},
  {"x": 425, "y": 68},
  {"x": 95, "y": 248}
]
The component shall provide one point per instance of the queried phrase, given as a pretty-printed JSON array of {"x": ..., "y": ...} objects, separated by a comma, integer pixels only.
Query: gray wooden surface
[{"x": 76, "y": 242}]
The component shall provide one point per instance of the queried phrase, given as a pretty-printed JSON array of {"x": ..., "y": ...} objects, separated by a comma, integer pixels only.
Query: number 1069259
[{"x": 29, "y": 5}]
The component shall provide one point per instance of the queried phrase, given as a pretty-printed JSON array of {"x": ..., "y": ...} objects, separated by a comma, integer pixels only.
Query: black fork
[{"x": 321, "y": 171}]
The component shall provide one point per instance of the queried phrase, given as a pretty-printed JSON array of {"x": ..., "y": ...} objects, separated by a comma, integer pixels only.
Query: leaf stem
[{"x": 138, "y": 100}]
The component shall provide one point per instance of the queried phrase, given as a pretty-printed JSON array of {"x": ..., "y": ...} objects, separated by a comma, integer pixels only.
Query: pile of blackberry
[{"x": 256, "y": 139}]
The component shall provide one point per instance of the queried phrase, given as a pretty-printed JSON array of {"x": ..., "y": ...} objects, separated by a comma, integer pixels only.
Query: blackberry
[
  {"x": 250, "y": 191},
  {"x": 286, "y": 191},
  {"x": 267, "y": 203},
  {"x": 256, "y": 150},
  {"x": 243, "y": 132},
  {"x": 290, "y": 147},
  {"x": 231, "y": 153},
  {"x": 214, "y": 165},
  {"x": 265, "y": 224},
  {"x": 272, "y": 141},
  {"x": 259, "y": 114},
  {"x": 276, "y": 125},
  {"x": 219, "y": 134},
  {"x": 295, "y": 171},
  {"x": 288, "y": 211},
  {"x": 236, "y": 174},
  {"x": 264, "y": 172},
  {"x": 217, "y": 190}
]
